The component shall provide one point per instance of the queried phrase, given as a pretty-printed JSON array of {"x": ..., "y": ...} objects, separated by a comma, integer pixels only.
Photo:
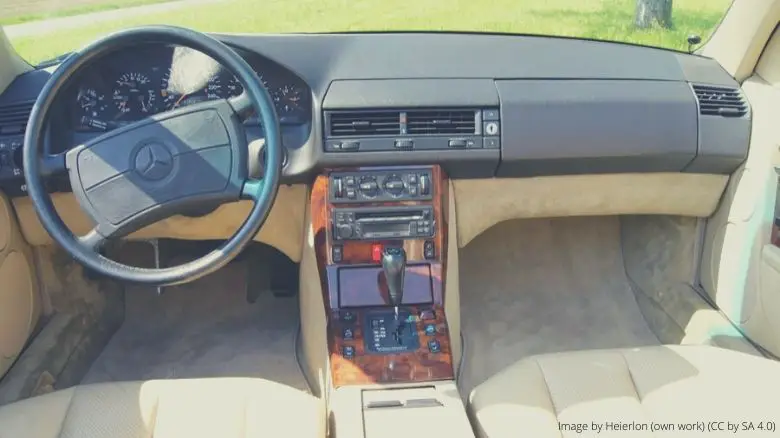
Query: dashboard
[{"x": 479, "y": 105}]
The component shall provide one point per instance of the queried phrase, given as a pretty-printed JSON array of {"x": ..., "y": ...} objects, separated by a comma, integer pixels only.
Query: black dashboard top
[
  {"x": 320, "y": 58},
  {"x": 565, "y": 105}
]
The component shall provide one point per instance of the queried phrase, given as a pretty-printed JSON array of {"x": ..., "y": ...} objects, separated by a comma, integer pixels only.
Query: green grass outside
[
  {"x": 599, "y": 19},
  {"x": 67, "y": 11}
]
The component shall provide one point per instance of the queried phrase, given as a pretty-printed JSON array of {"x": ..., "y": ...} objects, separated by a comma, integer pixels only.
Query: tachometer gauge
[
  {"x": 179, "y": 89},
  {"x": 134, "y": 94},
  {"x": 288, "y": 99}
]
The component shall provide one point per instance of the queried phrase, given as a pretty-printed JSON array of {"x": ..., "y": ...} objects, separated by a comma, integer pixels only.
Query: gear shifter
[{"x": 394, "y": 265}]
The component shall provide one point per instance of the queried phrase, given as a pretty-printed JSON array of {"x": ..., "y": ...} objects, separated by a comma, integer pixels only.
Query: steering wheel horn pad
[
  {"x": 159, "y": 166},
  {"x": 149, "y": 170}
]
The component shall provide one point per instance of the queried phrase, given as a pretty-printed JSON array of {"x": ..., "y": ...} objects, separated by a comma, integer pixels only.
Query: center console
[{"x": 381, "y": 246}]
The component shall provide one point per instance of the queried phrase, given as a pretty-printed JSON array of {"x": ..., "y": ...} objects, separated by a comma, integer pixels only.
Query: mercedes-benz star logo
[{"x": 153, "y": 161}]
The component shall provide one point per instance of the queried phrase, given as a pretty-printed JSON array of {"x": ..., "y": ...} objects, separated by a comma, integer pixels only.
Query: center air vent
[
  {"x": 720, "y": 101},
  {"x": 365, "y": 123},
  {"x": 13, "y": 118},
  {"x": 441, "y": 122}
]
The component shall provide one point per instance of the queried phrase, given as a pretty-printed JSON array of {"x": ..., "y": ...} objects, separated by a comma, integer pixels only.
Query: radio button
[{"x": 344, "y": 231}]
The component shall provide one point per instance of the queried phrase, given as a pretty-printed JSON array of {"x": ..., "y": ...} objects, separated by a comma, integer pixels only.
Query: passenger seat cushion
[
  {"x": 223, "y": 407},
  {"x": 660, "y": 384}
]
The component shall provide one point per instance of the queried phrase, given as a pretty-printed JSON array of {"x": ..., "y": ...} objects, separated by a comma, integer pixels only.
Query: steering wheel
[{"x": 149, "y": 170}]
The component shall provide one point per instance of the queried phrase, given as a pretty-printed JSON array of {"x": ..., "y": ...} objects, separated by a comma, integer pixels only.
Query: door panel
[
  {"x": 770, "y": 293},
  {"x": 20, "y": 305},
  {"x": 740, "y": 265}
]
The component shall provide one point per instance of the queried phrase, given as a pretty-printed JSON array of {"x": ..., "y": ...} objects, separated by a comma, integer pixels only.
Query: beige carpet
[
  {"x": 542, "y": 286},
  {"x": 203, "y": 329}
]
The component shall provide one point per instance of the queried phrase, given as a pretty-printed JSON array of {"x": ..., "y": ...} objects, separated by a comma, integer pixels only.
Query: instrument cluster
[{"x": 136, "y": 83}]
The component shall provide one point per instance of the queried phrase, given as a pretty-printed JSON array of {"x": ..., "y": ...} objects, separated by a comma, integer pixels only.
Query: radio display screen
[{"x": 370, "y": 228}]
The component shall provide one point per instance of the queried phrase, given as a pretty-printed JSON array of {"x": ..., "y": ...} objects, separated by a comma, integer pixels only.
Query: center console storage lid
[{"x": 425, "y": 411}]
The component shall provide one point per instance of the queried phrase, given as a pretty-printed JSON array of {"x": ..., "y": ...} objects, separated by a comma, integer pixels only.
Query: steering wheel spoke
[
  {"x": 53, "y": 165},
  {"x": 242, "y": 104},
  {"x": 93, "y": 240},
  {"x": 252, "y": 189}
]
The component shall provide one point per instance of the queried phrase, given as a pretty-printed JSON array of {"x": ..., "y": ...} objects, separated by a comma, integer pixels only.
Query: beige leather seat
[
  {"x": 224, "y": 408},
  {"x": 553, "y": 395}
]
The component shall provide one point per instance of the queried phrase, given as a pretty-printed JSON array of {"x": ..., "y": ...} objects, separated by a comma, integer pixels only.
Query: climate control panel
[{"x": 381, "y": 186}]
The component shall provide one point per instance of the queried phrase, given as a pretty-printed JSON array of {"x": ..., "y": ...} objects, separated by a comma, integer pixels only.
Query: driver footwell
[{"x": 204, "y": 329}]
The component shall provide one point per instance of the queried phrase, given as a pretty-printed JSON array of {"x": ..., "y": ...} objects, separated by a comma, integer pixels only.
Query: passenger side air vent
[
  {"x": 720, "y": 101},
  {"x": 441, "y": 122},
  {"x": 13, "y": 118},
  {"x": 365, "y": 123}
]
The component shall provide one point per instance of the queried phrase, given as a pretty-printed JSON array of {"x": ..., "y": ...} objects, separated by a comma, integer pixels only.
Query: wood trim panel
[
  {"x": 366, "y": 368},
  {"x": 417, "y": 366}
]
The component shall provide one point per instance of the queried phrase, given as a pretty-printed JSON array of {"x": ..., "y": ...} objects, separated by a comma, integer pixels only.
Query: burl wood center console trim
[{"x": 361, "y": 367}]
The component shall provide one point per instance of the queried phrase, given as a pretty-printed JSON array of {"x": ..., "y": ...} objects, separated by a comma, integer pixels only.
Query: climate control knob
[
  {"x": 344, "y": 231},
  {"x": 394, "y": 185},
  {"x": 369, "y": 188}
]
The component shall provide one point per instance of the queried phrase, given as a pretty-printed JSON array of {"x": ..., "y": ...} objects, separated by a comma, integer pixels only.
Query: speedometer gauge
[
  {"x": 134, "y": 94},
  {"x": 182, "y": 88}
]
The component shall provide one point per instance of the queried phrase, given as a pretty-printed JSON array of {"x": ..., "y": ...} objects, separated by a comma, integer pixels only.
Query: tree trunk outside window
[{"x": 651, "y": 13}]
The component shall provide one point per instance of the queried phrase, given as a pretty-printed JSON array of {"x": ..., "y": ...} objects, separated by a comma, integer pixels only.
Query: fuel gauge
[
  {"x": 93, "y": 107},
  {"x": 92, "y": 103}
]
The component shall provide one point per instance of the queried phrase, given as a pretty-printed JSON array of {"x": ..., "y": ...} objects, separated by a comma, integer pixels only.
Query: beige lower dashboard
[
  {"x": 282, "y": 229},
  {"x": 480, "y": 204}
]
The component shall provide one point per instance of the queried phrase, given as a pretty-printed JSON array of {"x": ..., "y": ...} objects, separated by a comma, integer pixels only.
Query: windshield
[{"x": 41, "y": 30}]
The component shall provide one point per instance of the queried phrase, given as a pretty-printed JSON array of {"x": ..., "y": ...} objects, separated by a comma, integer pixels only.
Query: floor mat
[
  {"x": 203, "y": 329},
  {"x": 541, "y": 286}
]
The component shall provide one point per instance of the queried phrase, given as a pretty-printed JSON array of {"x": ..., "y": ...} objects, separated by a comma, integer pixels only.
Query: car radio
[{"x": 373, "y": 223}]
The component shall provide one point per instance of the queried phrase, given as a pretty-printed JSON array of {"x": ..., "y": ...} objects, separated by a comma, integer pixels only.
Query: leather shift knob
[{"x": 394, "y": 265}]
